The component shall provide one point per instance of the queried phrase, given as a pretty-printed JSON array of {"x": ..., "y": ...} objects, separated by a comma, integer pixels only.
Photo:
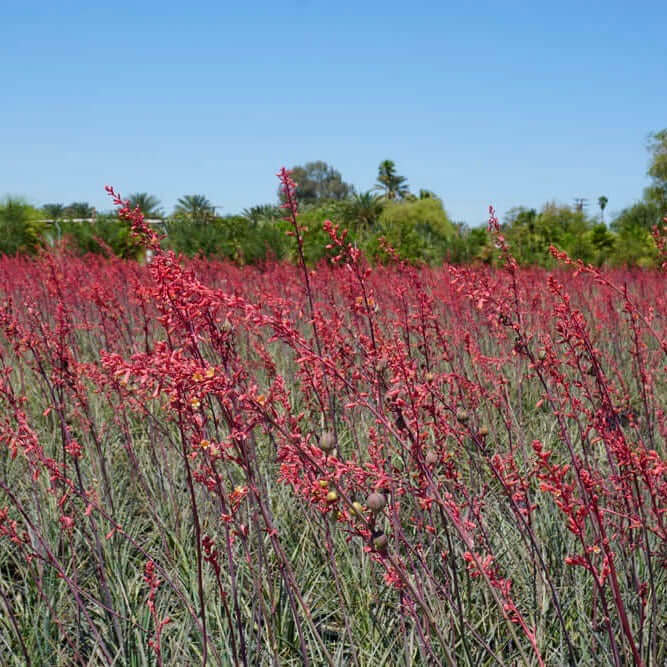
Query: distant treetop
[
  {"x": 317, "y": 181},
  {"x": 390, "y": 183}
]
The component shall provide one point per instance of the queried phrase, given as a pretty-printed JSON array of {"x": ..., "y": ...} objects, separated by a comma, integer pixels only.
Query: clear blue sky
[{"x": 506, "y": 103}]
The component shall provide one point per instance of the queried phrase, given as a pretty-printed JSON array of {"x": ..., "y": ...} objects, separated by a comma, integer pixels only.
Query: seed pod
[
  {"x": 327, "y": 441},
  {"x": 542, "y": 354},
  {"x": 380, "y": 541},
  {"x": 323, "y": 483},
  {"x": 431, "y": 458},
  {"x": 429, "y": 377},
  {"x": 227, "y": 326},
  {"x": 375, "y": 502},
  {"x": 332, "y": 497},
  {"x": 483, "y": 431},
  {"x": 462, "y": 415},
  {"x": 357, "y": 508}
]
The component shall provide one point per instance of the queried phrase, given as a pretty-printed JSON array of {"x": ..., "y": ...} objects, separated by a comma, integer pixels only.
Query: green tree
[
  {"x": 363, "y": 210},
  {"x": 602, "y": 203},
  {"x": 419, "y": 230},
  {"x": 393, "y": 185},
  {"x": 317, "y": 181},
  {"x": 105, "y": 235},
  {"x": 21, "y": 227},
  {"x": 657, "y": 191},
  {"x": 79, "y": 210},
  {"x": 634, "y": 244},
  {"x": 470, "y": 244},
  {"x": 642, "y": 214},
  {"x": 603, "y": 241},
  {"x": 520, "y": 226},
  {"x": 194, "y": 208},
  {"x": 530, "y": 233},
  {"x": 251, "y": 242},
  {"x": 149, "y": 205},
  {"x": 54, "y": 212},
  {"x": 568, "y": 230},
  {"x": 193, "y": 238},
  {"x": 315, "y": 239},
  {"x": 262, "y": 212}
]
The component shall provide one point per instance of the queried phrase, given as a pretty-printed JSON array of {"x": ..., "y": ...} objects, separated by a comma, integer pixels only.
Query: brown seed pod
[
  {"x": 462, "y": 415},
  {"x": 327, "y": 441},
  {"x": 429, "y": 377},
  {"x": 483, "y": 431},
  {"x": 375, "y": 502}
]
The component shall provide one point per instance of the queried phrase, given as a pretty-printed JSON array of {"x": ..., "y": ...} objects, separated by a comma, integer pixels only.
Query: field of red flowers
[{"x": 340, "y": 465}]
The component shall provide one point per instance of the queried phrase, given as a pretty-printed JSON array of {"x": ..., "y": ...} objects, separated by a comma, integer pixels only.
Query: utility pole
[{"x": 580, "y": 203}]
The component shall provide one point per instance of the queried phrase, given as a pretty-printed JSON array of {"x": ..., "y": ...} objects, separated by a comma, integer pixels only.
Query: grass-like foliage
[{"x": 208, "y": 464}]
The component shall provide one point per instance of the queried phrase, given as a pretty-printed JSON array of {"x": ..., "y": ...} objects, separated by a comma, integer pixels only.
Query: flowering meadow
[{"x": 331, "y": 465}]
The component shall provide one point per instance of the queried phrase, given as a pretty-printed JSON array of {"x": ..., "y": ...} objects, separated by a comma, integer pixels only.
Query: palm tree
[
  {"x": 196, "y": 208},
  {"x": 147, "y": 204},
  {"x": 261, "y": 212},
  {"x": 394, "y": 186},
  {"x": 364, "y": 209},
  {"x": 602, "y": 203}
]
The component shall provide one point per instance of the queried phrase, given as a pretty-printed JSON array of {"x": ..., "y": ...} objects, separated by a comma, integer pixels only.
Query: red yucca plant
[{"x": 331, "y": 465}]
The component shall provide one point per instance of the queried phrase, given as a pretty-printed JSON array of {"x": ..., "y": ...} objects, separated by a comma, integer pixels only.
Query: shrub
[
  {"x": 21, "y": 230},
  {"x": 418, "y": 230},
  {"x": 106, "y": 234}
]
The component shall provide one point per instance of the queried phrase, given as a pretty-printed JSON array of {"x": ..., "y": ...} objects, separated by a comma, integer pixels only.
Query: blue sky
[{"x": 503, "y": 103}]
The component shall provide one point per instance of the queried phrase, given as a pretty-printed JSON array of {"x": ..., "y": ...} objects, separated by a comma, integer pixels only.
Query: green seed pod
[
  {"x": 375, "y": 502},
  {"x": 542, "y": 354},
  {"x": 357, "y": 508},
  {"x": 380, "y": 542},
  {"x": 227, "y": 326},
  {"x": 332, "y": 497}
]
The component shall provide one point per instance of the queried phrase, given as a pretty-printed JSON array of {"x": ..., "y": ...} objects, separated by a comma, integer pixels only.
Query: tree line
[{"x": 415, "y": 224}]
